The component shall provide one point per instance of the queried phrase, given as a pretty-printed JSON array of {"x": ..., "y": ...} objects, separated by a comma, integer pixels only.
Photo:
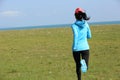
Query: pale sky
[{"x": 20, "y": 13}]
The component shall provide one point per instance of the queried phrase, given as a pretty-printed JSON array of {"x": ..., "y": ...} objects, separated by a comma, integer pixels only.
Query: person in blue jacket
[{"x": 81, "y": 32}]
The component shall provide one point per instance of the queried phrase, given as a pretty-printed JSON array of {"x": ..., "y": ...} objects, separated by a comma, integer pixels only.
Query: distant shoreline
[
  {"x": 59, "y": 25},
  {"x": 105, "y": 23}
]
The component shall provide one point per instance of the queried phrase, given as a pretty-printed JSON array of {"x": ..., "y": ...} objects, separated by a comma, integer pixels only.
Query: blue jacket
[{"x": 81, "y": 32}]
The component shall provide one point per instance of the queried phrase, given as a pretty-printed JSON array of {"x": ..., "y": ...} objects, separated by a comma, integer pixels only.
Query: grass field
[{"x": 45, "y": 54}]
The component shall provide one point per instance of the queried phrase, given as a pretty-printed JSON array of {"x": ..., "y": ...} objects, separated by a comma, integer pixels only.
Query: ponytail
[{"x": 85, "y": 17}]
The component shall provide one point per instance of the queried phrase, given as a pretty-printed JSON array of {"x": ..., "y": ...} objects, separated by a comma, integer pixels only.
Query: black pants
[{"x": 77, "y": 57}]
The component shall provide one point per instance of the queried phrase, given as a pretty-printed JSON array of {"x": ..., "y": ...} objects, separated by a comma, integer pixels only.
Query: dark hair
[{"x": 81, "y": 15}]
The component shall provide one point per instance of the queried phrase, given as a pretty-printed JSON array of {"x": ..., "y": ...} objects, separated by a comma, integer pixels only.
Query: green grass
[{"x": 45, "y": 54}]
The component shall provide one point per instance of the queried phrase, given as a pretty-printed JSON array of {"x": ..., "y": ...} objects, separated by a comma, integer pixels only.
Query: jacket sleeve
[
  {"x": 89, "y": 32},
  {"x": 75, "y": 36}
]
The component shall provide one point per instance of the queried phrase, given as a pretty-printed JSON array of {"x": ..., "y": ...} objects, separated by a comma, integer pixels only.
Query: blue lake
[{"x": 58, "y": 25}]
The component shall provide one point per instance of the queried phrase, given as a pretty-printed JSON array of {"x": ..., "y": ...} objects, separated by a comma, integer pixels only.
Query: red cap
[{"x": 79, "y": 10}]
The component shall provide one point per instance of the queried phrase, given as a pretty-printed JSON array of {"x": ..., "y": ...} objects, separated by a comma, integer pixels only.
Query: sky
[{"x": 20, "y": 13}]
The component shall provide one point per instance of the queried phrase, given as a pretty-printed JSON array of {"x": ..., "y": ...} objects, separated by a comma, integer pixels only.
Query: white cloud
[{"x": 10, "y": 13}]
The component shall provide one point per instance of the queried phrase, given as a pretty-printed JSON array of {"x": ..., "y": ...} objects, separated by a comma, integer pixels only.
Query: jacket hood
[{"x": 80, "y": 23}]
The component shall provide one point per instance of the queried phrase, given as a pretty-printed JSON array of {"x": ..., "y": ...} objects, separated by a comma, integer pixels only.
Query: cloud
[{"x": 10, "y": 13}]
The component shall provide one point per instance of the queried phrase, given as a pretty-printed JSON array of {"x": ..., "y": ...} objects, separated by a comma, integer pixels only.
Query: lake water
[{"x": 58, "y": 25}]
